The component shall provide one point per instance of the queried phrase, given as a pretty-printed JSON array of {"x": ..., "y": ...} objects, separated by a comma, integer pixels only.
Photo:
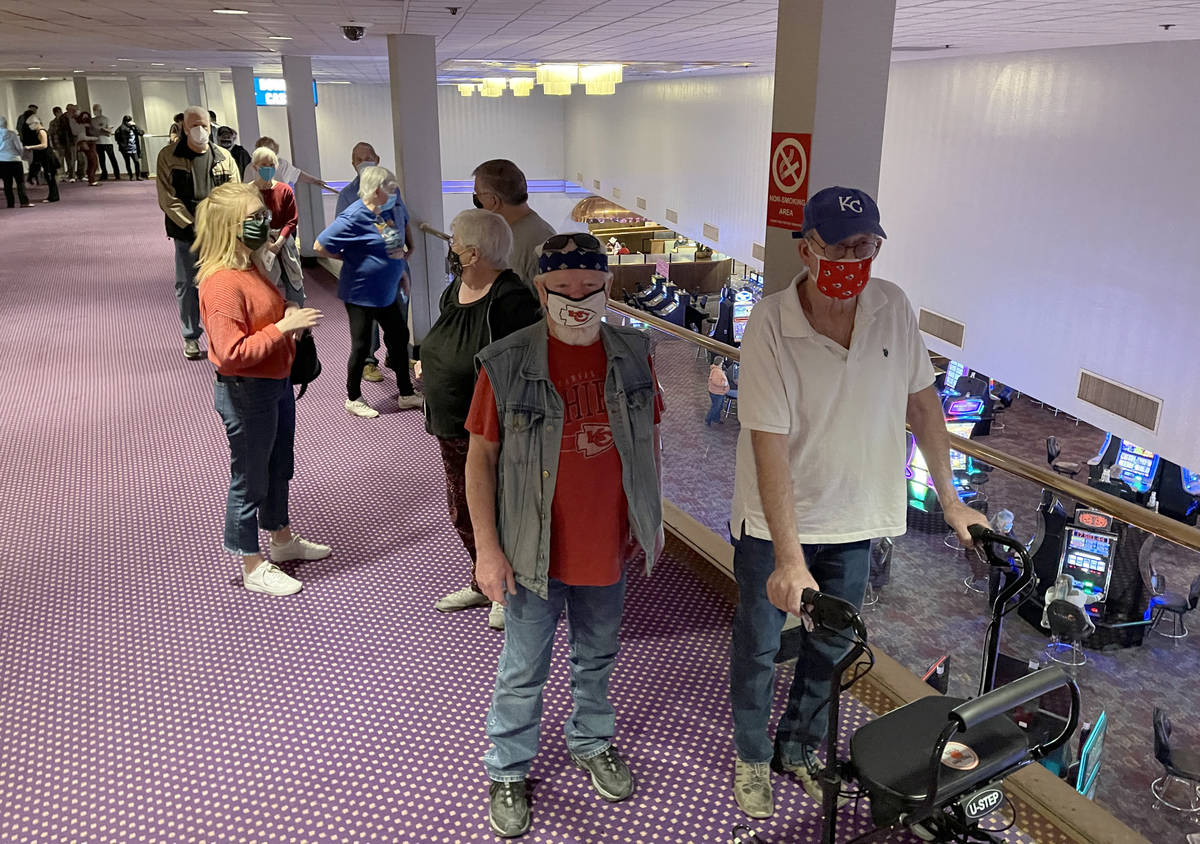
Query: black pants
[
  {"x": 133, "y": 164},
  {"x": 107, "y": 149},
  {"x": 12, "y": 171},
  {"x": 395, "y": 335},
  {"x": 44, "y": 160}
]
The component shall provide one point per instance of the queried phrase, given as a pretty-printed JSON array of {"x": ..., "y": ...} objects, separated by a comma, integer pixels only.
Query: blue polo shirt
[
  {"x": 347, "y": 196},
  {"x": 369, "y": 278}
]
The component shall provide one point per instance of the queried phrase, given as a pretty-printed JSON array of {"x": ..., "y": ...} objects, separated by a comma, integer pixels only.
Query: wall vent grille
[
  {"x": 672, "y": 216},
  {"x": 616, "y": 193},
  {"x": 711, "y": 232},
  {"x": 758, "y": 252},
  {"x": 641, "y": 204},
  {"x": 1116, "y": 398},
  {"x": 596, "y": 184},
  {"x": 942, "y": 327},
  {"x": 579, "y": 179}
]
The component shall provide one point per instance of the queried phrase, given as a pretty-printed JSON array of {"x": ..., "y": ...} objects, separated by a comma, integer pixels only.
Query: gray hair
[
  {"x": 34, "y": 122},
  {"x": 371, "y": 180},
  {"x": 264, "y": 155},
  {"x": 196, "y": 110},
  {"x": 486, "y": 231}
]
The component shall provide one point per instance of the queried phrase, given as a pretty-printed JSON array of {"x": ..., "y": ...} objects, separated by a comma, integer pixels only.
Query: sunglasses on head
[{"x": 582, "y": 240}]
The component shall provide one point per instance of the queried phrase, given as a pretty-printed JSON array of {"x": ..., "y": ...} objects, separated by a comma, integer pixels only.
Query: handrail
[
  {"x": 1118, "y": 508},
  {"x": 428, "y": 229}
]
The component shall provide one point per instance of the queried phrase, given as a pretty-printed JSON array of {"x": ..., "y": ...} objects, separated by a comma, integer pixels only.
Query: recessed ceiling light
[
  {"x": 279, "y": 38},
  {"x": 124, "y": 60},
  {"x": 43, "y": 79},
  {"x": 157, "y": 64},
  {"x": 76, "y": 71},
  {"x": 334, "y": 82},
  {"x": 230, "y": 12},
  {"x": 190, "y": 68}
]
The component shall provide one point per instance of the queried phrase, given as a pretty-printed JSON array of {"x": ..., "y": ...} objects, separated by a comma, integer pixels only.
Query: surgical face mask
[
  {"x": 266, "y": 173},
  {"x": 198, "y": 135},
  {"x": 363, "y": 165},
  {"x": 576, "y": 313},
  {"x": 389, "y": 203},
  {"x": 842, "y": 279},
  {"x": 255, "y": 233}
]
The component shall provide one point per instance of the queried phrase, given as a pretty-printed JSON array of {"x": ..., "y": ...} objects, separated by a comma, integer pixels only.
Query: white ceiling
[{"x": 92, "y": 35}]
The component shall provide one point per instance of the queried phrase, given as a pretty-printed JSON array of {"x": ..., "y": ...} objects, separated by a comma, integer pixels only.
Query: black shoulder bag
[{"x": 306, "y": 367}]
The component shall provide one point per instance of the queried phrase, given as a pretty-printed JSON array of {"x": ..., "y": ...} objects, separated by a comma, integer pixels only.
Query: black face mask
[
  {"x": 475, "y": 200},
  {"x": 227, "y": 143},
  {"x": 255, "y": 233},
  {"x": 456, "y": 266}
]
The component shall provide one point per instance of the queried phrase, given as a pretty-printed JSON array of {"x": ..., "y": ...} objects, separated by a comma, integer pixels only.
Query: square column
[
  {"x": 82, "y": 98},
  {"x": 302, "y": 132},
  {"x": 138, "y": 102},
  {"x": 412, "y": 67},
  {"x": 832, "y": 62},
  {"x": 247, "y": 110},
  {"x": 194, "y": 85},
  {"x": 212, "y": 96}
]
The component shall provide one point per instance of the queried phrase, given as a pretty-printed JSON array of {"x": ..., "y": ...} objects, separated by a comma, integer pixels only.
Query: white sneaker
[
  {"x": 299, "y": 549},
  {"x": 463, "y": 599},
  {"x": 269, "y": 579},
  {"x": 358, "y": 407},
  {"x": 413, "y": 402},
  {"x": 496, "y": 616}
]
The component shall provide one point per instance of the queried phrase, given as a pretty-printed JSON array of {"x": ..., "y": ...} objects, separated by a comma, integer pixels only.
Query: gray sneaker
[
  {"x": 191, "y": 350},
  {"x": 809, "y": 772},
  {"x": 508, "y": 809},
  {"x": 752, "y": 789},
  {"x": 611, "y": 777}
]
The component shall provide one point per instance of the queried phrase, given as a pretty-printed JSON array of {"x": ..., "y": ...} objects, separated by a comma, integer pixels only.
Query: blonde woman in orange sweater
[{"x": 251, "y": 332}]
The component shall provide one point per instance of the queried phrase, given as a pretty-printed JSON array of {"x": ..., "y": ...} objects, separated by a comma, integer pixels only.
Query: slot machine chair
[
  {"x": 1045, "y": 550},
  {"x": 1178, "y": 605},
  {"x": 1063, "y": 467},
  {"x": 1180, "y": 768},
  {"x": 881, "y": 569},
  {"x": 1069, "y": 626}
]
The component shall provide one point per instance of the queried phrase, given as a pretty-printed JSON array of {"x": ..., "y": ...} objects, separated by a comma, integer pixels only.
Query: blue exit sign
[{"x": 272, "y": 91}]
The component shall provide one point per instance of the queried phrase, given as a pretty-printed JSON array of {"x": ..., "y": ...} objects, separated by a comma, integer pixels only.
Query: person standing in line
[
  {"x": 227, "y": 139},
  {"x": 56, "y": 129},
  {"x": 563, "y": 482},
  {"x": 86, "y": 143},
  {"x": 28, "y": 139},
  {"x": 11, "y": 169},
  {"x": 72, "y": 131},
  {"x": 43, "y": 156},
  {"x": 252, "y": 332},
  {"x": 500, "y": 186},
  {"x": 129, "y": 140},
  {"x": 176, "y": 131},
  {"x": 832, "y": 367},
  {"x": 285, "y": 171},
  {"x": 718, "y": 389},
  {"x": 279, "y": 260},
  {"x": 485, "y": 302},
  {"x": 372, "y": 239},
  {"x": 187, "y": 172},
  {"x": 102, "y": 128},
  {"x": 362, "y": 156}
]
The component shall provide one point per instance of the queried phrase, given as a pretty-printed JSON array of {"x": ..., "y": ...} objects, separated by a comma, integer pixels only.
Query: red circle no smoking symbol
[{"x": 789, "y": 165}]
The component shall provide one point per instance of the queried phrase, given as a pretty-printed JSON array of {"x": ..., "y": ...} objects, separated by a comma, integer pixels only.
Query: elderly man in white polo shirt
[{"x": 831, "y": 369}]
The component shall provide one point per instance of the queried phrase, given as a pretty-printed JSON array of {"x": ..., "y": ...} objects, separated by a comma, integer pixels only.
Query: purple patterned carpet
[{"x": 147, "y": 697}]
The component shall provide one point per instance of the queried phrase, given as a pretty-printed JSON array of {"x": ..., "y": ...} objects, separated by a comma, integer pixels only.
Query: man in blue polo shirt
[{"x": 832, "y": 367}]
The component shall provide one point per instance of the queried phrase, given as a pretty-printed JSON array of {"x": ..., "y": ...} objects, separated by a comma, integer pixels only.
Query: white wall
[
  {"x": 1049, "y": 201},
  {"x": 697, "y": 146},
  {"x": 526, "y": 130}
]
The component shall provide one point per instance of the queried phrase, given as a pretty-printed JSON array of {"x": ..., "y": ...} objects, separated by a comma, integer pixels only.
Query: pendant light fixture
[
  {"x": 521, "y": 85},
  {"x": 467, "y": 89},
  {"x": 493, "y": 86},
  {"x": 557, "y": 79},
  {"x": 601, "y": 79}
]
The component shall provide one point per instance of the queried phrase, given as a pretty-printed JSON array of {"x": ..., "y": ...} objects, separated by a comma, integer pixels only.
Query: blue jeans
[
  {"x": 186, "y": 292},
  {"x": 839, "y": 570},
  {"x": 515, "y": 718},
  {"x": 714, "y": 413},
  {"x": 260, "y": 422}
]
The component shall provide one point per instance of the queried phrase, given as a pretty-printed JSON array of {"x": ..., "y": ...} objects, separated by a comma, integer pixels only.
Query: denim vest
[{"x": 531, "y": 418}]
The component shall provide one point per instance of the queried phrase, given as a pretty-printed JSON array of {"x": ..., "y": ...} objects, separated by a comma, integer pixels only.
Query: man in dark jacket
[
  {"x": 227, "y": 139},
  {"x": 187, "y": 172}
]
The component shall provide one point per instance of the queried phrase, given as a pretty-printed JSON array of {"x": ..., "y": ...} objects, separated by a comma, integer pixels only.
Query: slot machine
[{"x": 1089, "y": 548}]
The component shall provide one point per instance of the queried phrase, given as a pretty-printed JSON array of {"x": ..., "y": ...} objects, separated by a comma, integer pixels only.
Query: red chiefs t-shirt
[{"x": 589, "y": 517}]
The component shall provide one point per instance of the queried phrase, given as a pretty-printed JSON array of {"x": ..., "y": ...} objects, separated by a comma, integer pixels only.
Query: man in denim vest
[{"x": 563, "y": 484}]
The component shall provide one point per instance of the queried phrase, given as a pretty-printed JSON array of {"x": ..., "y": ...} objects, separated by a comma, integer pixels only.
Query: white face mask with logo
[
  {"x": 576, "y": 313},
  {"x": 198, "y": 135}
]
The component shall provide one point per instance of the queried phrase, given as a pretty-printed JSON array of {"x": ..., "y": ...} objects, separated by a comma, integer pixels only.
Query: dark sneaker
[
  {"x": 508, "y": 809},
  {"x": 809, "y": 772},
  {"x": 191, "y": 350},
  {"x": 611, "y": 777}
]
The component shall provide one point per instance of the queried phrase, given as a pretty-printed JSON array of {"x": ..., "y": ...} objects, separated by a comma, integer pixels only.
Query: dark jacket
[
  {"x": 240, "y": 156},
  {"x": 176, "y": 187},
  {"x": 28, "y": 136},
  {"x": 129, "y": 138}
]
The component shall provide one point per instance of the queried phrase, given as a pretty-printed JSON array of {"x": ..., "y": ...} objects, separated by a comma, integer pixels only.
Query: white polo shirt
[{"x": 843, "y": 412}]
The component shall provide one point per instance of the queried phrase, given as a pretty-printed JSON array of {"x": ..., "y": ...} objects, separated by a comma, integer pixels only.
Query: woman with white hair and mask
[
  {"x": 10, "y": 164},
  {"x": 279, "y": 259},
  {"x": 372, "y": 239},
  {"x": 485, "y": 302},
  {"x": 43, "y": 157}
]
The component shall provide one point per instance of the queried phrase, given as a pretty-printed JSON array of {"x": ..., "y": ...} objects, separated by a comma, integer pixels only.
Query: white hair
[
  {"x": 487, "y": 232},
  {"x": 371, "y": 180},
  {"x": 196, "y": 110},
  {"x": 264, "y": 155},
  {"x": 34, "y": 122}
]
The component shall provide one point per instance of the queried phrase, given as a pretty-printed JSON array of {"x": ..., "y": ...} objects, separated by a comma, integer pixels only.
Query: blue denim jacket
[{"x": 531, "y": 419}]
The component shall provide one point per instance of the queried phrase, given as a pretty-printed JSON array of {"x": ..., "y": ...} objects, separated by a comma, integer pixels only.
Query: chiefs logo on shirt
[{"x": 592, "y": 440}]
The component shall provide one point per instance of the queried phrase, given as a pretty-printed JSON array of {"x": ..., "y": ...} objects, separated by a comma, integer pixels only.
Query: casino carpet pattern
[{"x": 147, "y": 697}]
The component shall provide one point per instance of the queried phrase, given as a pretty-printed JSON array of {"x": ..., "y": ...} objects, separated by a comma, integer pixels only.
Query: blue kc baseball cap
[{"x": 838, "y": 213}]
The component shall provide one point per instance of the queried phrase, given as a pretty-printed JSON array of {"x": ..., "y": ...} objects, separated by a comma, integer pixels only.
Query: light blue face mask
[
  {"x": 389, "y": 204},
  {"x": 266, "y": 173}
]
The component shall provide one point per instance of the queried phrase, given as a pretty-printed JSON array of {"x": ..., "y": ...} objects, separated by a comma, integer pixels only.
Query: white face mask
[
  {"x": 576, "y": 313},
  {"x": 198, "y": 135},
  {"x": 363, "y": 165}
]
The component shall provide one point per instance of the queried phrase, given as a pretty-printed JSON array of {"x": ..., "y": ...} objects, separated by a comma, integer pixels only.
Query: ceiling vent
[
  {"x": 711, "y": 232},
  {"x": 1126, "y": 402},
  {"x": 641, "y": 203},
  {"x": 672, "y": 216},
  {"x": 758, "y": 252},
  {"x": 942, "y": 327}
]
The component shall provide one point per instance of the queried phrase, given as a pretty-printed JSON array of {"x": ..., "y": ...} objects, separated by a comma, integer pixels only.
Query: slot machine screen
[
  {"x": 1088, "y": 571},
  {"x": 1191, "y": 481},
  {"x": 1138, "y": 464},
  {"x": 954, "y": 371},
  {"x": 741, "y": 315},
  {"x": 961, "y": 429},
  {"x": 958, "y": 461},
  {"x": 1090, "y": 758}
]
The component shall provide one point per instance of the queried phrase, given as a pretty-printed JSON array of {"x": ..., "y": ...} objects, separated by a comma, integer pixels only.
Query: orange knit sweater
[{"x": 239, "y": 309}]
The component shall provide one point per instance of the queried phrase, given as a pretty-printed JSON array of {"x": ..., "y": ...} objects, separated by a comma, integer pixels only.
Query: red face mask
[{"x": 842, "y": 279}]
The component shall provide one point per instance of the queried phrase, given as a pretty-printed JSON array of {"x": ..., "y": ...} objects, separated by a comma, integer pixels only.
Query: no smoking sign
[{"x": 787, "y": 190}]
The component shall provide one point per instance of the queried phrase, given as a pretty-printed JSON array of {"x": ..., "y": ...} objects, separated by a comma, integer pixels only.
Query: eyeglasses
[
  {"x": 263, "y": 216},
  {"x": 861, "y": 251},
  {"x": 582, "y": 240}
]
